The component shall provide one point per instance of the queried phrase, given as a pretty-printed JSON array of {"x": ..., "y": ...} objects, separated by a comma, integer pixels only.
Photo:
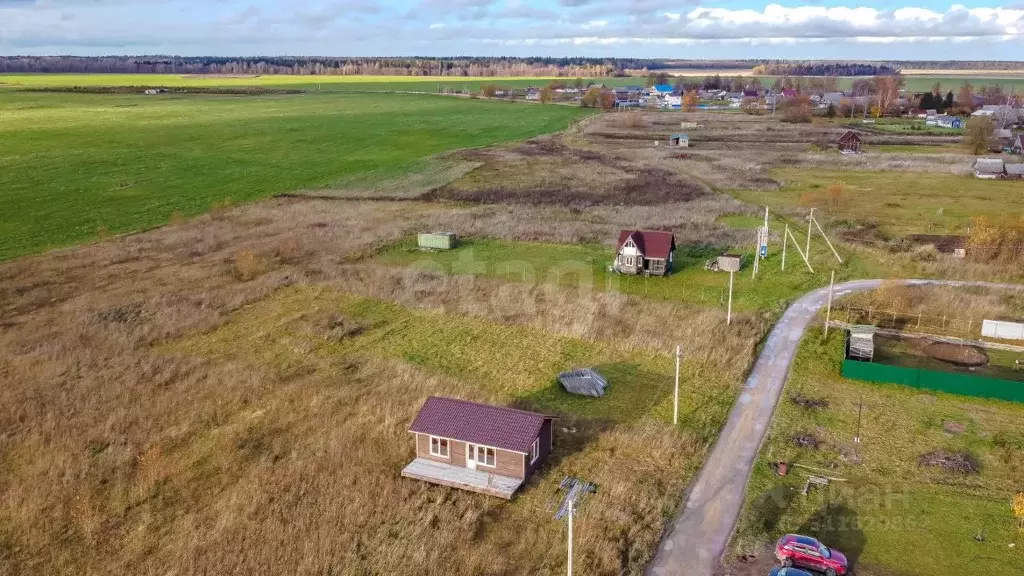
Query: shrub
[{"x": 247, "y": 266}]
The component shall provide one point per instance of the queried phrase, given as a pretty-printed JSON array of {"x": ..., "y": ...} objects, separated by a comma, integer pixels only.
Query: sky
[{"x": 717, "y": 29}]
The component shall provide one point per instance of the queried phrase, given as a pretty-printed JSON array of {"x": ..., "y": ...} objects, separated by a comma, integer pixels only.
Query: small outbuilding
[
  {"x": 682, "y": 140},
  {"x": 860, "y": 343},
  {"x": 1014, "y": 171},
  {"x": 729, "y": 262},
  {"x": 478, "y": 447},
  {"x": 644, "y": 252},
  {"x": 989, "y": 168},
  {"x": 585, "y": 382},
  {"x": 437, "y": 240},
  {"x": 849, "y": 142}
]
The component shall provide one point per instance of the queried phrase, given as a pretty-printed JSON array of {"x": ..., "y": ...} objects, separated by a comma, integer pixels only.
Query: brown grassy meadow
[{"x": 230, "y": 394}]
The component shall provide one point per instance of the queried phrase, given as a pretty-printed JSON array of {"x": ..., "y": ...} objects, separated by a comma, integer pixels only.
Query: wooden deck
[{"x": 464, "y": 478}]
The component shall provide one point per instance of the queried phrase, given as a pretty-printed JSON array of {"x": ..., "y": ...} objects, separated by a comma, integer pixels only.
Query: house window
[
  {"x": 438, "y": 446},
  {"x": 485, "y": 456},
  {"x": 629, "y": 260},
  {"x": 535, "y": 450}
]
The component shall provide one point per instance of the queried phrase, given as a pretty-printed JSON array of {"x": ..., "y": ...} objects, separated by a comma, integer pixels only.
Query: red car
[{"x": 806, "y": 552}]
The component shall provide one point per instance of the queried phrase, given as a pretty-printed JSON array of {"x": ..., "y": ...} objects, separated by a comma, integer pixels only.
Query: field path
[{"x": 697, "y": 539}]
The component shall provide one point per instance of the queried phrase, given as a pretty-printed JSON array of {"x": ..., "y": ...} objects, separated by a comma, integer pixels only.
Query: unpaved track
[{"x": 697, "y": 539}]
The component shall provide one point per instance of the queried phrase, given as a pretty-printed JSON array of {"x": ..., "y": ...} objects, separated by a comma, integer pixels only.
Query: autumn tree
[
  {"x": 830, "y": 112},
  {"x": 751, "y": 105},
  {"x": 690, "y": 101},
  {"x": 606, "y": 99},
  {"x": 797, "y": 109},
  {"x": 661, "y": 78},
  {"x": 592, "y": 98},
  {"x": 978, "y": 134},
  {"x": 965, "y": 98},
  {"x": 547, "y": 94},
  {"x": 996, "y": 239},
  {"x": 887, "y": 91},
  {"x": 488, "y": 90}
]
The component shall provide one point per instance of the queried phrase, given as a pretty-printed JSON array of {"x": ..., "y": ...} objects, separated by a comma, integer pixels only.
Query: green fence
[{"x": 952, "y": 383}]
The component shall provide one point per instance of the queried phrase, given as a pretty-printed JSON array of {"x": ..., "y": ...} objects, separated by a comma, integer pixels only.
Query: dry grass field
[{"x": 231, "y": 393}]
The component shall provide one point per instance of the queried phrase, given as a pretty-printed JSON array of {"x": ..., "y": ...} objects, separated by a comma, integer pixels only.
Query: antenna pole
[
  {"x": 828, "y": 312},
  {"x": 728, "y": 316},
  {"x": 572, "y": 504},
  {"x": 675, "y": 409}
]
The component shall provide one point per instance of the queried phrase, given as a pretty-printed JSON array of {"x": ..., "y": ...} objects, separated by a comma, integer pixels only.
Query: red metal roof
[
  {"x": 505, "y": 428},
  {"x": 651, "y": 244}
]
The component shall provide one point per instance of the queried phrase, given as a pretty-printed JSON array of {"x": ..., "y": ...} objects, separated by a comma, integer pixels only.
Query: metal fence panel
[{"x": 949, "y": 382}]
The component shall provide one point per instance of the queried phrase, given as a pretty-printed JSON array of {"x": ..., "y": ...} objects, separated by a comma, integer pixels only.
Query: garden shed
[
  {"x": 438, "y": 240},
  {"x": 1015, "y": 171},
  {"x": 849, "y": 142},
  {"x": 860, "y": 343},
  {"x": 680, "y": 140},
  {"x": 989, "y": 168}
]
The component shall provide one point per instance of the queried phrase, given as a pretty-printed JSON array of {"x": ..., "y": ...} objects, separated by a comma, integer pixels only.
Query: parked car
[
  {"x": 806, "y": 552},
  {"x": 788, "y": 572}
]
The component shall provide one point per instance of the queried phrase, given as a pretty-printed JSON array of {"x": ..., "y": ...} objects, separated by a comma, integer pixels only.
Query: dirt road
[{"x": 695, "y": 542}]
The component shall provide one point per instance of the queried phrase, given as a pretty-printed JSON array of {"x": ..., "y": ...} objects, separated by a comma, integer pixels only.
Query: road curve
[{"x": 697, "y": 539}]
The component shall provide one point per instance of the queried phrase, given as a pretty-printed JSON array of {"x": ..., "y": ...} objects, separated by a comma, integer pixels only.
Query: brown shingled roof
[
  {"x": 494, "y": 426},
  {"x": 651, "y": 244}
]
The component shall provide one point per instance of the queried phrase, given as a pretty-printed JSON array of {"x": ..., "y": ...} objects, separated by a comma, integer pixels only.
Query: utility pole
[
  {"x": 810, "y": 224},
  {"x": 828, "y": 312},
  {"x": 675, "y": 405},
  {"x": 785, "y": 241},
  {"x": 572, "y": 505},
  {"x": 728, "y": 316}
]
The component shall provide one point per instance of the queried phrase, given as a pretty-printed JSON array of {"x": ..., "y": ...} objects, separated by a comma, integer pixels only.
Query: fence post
[
  {"x": 869, "y": 313},
  {"x": 918, "y": 320},
  {"x": 943, "y": 321}
]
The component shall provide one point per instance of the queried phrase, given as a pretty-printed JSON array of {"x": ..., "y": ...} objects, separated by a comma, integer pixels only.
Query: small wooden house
[
  {"x": 849, "y": 142},
  {"x": 682, "y": 140},
  {"x": 644, "y": 252},
  {"x": 478, "y": 447},
  {"x": 1014, "y": 171},
  {"x": 1017, "y": 147}
]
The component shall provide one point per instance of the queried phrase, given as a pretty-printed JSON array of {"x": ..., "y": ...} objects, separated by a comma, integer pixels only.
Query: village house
[
  {"x": 644, "y": 252},
  {"x": 849, "y": 142},
  {"x": 1017, "y": 147},
  {"x": 1014, "y": 171},
  {"x": 478, "y": 447}
]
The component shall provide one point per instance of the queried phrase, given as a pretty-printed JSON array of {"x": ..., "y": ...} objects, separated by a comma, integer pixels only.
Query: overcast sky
[{"x": 869, "y": 29}]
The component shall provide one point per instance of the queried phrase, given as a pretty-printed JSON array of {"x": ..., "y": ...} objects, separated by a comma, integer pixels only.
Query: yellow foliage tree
[
  {"x": 547, "y": 94},
  {"x": 690, "y": 101},
  {"x": 996, "y": 239},
  {"x": 1018, "y": 509}
]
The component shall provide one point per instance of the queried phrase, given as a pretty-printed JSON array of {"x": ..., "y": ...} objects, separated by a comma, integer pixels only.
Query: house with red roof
[
  {"x": 644, "y": 252},
  {"x": 488, "y": 449}
]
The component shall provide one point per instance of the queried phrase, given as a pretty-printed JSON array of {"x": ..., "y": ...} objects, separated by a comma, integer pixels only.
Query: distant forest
[{"x": 456, "y": 66}]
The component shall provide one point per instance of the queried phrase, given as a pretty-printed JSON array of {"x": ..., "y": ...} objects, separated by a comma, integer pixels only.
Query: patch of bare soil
[
  {"x": 807, "y": 440},
  {"x": 809, "y": 403},
  {"x": 959, "y": 462},
  {"x": 957, "y": 354}
]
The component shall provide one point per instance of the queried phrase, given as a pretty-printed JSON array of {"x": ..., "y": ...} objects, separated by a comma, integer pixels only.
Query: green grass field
[
  {"x": 311, "y": 83},
  {"x": 586, "y": 266},
  {"x": 891, "y": 515},
  {"x": 898, "y": 202},
  {"x": 72, "y": 164}
]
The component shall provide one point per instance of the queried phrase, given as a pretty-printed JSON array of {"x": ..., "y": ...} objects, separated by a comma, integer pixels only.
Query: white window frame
[
  {"x": 481, "y": 448},
  {"x": 535, "y": 450},
  {"x": 447, "y": 446}
]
